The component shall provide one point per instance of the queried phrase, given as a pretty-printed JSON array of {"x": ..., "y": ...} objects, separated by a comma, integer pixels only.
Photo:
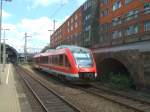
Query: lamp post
[
  {"x": 54, "y": 22},
  {"x": 50, "y": 34},
  {"x": 4, "y": 50},
  {"x": 1, "y": 7},
  {"x": 25, "y": 47}
]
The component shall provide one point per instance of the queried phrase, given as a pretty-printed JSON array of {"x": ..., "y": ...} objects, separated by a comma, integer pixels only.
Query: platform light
[
  {"x": 4, "y": 49},
  {"x": 1, "y": 7}
]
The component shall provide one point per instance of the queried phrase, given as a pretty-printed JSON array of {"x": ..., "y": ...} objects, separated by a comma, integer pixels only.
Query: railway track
[
  {"x": 50, "y": 101},
  {"x": 133, "y": 96},
  {"x": 123, "y": 100},
  {"x": 136, "y": 104}
]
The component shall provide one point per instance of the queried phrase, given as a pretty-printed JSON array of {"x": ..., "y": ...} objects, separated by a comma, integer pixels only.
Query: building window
[
  {"x": 87, "y": 17},
  {"x": 132, "y": 30},
  {"x": 87, "y": 28},
  {"x": 147, "y": 8},
  {"x": 116, "y": 5},
  {"x": 68, "y": 23},
  {"x": 147, "y": 26},
  {"x": 87, "y": 4},
  {"x": 105, "y": 27},
  {"x": 68, "y": 30},
  {"x": 116, "y": 34},
  {"x": 76, "y": 24},
  {"x": 76, "y": 17},
  {"x": 116, "y": 21},
  {"x": 132, "y": 14},
  {"x": 71, "y": 20},
  {"x": 105, "y": 1},
  {"x": 71, "y": 28},
  {"x": 104, "y": 13},
  {"x": 128, "y": 1}
]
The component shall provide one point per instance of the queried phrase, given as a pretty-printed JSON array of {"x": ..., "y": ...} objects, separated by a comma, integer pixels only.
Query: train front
[{"x": 85, "y": 64}]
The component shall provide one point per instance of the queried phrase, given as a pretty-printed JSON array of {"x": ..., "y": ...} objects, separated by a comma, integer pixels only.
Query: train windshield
[{"x": 83, "y": 59}]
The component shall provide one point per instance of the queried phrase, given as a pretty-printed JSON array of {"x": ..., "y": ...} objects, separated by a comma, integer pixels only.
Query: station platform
[{"x": 12, "y": 99}]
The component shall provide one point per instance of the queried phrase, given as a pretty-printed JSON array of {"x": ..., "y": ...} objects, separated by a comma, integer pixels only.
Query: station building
[{"x": 11, "y": 54}]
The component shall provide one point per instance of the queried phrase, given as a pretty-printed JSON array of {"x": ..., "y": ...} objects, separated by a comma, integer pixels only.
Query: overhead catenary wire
[{"x": 56, "y": 11}]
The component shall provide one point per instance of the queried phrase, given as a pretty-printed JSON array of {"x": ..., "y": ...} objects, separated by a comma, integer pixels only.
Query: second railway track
[
  {"x": 128, "y": 102},
  {"x": 50, "y": 101}
]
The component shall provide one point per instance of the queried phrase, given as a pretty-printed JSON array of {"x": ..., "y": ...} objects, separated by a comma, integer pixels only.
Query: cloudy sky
[{"x": 35, "y": 17}]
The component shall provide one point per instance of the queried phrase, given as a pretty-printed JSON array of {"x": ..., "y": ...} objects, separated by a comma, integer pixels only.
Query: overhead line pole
[
  {"x": 54, "y": 22},
  {"x": 25, "y": 47},
  {"x": 1, "y": 7},
  {"x": 4, "y": 50},
  {"x": 54, "y": 25},
  {"x": 0, "y": 29}
]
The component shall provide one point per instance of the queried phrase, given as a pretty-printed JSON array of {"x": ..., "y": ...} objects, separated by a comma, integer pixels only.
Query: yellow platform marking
[{"x": 8, "y": 72}]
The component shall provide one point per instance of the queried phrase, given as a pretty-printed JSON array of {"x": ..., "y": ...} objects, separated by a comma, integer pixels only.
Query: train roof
[
  {"x": 50, "y": 50},
  {"x": 73, "y": 48}
]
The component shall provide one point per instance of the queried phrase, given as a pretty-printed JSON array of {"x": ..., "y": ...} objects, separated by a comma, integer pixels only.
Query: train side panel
[{"x": 62, "y": 63}]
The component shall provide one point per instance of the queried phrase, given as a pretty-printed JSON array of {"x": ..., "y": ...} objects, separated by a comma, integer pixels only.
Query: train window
[
  {"x": 67, "y": 64},
  {"x": 53, "y": 61},
  {"x": 56, "y": 60},
  {"x": 41, "y": 59},
  {"x": 36, "y": 60},
  {"x": 50, "y": 60},
  {"x": 61, "y": 60},
  {"x": 45, "y": 60},
  {"x": 83, "y": 59}
]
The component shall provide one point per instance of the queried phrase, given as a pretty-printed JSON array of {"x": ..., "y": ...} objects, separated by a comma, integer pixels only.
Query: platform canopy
[{"x": 11, "y": 54}]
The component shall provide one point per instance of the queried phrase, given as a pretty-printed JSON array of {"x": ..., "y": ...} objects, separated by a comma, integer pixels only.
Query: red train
[{"x": 71, "y": 63}]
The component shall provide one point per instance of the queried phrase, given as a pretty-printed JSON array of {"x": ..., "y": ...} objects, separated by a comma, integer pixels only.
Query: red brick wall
[{"x": 64, "y": 28}]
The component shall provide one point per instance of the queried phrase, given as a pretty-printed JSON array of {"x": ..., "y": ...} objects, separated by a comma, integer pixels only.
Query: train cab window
[
  {"x": 83, "y": 59},
  {"x": 67, "y": 64}
]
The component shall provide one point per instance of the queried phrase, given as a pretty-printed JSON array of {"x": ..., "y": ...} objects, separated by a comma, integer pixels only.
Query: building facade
[
  {"x": 101, "y": 23},
  {"x": 123, "y": 21},
  {"x": 90, "y": 22},
  {"x": 118, "y": 31},
  {"x": 70, "y": 32}
]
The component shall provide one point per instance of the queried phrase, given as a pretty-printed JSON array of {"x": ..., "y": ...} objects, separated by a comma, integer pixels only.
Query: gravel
[{"x": 85, "y": 101}]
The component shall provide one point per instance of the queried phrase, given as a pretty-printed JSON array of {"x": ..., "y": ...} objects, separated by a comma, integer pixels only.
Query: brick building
[
  {"x": 123, "y": 21},
  {"x": 117, "y": 30},
  {"x": 70, "y": 32},
  {"x": 100, "y": 23},
  {"x": 90, "y": 22}
]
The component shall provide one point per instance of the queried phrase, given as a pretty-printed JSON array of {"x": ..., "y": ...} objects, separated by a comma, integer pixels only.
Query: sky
[{"x": 35, "y": 17}]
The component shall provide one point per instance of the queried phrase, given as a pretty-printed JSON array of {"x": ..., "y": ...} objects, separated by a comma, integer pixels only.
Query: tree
[{"x": 45, "y": 48}]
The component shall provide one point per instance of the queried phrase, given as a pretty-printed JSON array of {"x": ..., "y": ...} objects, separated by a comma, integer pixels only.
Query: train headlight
[{"x": 95, "y": 74}]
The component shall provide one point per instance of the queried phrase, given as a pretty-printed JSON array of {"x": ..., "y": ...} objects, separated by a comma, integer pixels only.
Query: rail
[{"x": 49, "y": 99}]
